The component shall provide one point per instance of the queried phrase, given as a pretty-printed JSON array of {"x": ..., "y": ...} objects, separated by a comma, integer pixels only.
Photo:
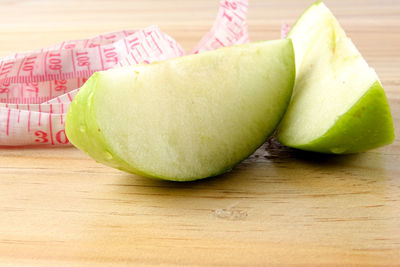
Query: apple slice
[
  {"x": 338, "y": 103},
  {"x": 186, "y": 118}
]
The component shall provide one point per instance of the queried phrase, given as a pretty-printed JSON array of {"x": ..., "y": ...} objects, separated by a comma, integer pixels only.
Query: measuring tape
[{"x": 37, "y": 87}]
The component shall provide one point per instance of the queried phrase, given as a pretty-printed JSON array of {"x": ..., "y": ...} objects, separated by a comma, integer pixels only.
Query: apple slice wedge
[
  {"x": 186, "y": 118},
  {"x": 338, "y": 103}
]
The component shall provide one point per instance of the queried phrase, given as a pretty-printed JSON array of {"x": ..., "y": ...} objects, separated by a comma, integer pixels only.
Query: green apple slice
[
  {"x": 186, "y": 118},
  {"x": 338, "y": 103}
]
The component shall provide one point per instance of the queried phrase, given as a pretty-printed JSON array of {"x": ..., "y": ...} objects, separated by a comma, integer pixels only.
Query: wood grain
[{"x": 58, "y": 207}]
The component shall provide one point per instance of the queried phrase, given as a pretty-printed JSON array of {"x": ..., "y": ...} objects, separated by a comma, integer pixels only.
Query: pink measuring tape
[{"x": 37, "y": 87}]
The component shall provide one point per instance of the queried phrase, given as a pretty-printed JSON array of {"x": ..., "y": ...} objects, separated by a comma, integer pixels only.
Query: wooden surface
[{"x": 59, "y": 207}]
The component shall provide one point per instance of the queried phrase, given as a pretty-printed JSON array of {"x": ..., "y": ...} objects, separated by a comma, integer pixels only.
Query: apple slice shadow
[{"x": 273, "y": 170}]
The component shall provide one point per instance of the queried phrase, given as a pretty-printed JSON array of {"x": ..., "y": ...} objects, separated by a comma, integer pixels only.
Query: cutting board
[{"x": 279, "y": 207}]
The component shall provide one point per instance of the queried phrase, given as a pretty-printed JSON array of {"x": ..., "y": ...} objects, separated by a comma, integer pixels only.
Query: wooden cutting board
[{"x": 59, "y": 207}]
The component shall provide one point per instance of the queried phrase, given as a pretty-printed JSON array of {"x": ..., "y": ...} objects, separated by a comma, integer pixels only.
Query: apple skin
[
  {"x": 360, "y": 129},
  {"x": 368, "y": 124},
  {"x": 83, "y": 130}
]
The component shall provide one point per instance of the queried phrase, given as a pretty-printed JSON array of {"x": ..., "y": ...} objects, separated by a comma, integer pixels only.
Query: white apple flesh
[
  {"x": 185, "y": 118},
  {"x": 338, "y": 103}
]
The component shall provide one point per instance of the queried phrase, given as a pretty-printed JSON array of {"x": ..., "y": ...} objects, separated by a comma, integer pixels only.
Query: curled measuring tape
[{"x": 37, "y": 87}]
